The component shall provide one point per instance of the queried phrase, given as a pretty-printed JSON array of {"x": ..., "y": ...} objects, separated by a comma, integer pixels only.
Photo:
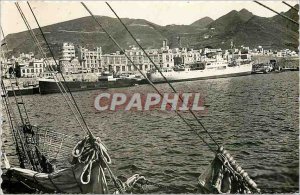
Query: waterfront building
[
  {"x": 163, "y": 58},
  {"x": 211, "y": 50},
  {"x": 27, "y": 70},
  {"x": 118, "y": 62},
  {"x": 32, "y": 68},
  {"x": 25, "y": 57},
  {"x": 189, "y": 56},
  {"x": 114, "y": 62},
  {"x": 36, "y": 67},
  {"x": 90, "y": 60},
  {"x": 67, "y": 51},
  {"x": 67, "y": 54},
  {"x": 70, "y": 66}
]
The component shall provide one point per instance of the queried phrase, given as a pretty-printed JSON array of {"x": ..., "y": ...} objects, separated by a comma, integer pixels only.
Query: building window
[
  {"x": 123, "y": 68},
  {"x": 129, "y": 68}
]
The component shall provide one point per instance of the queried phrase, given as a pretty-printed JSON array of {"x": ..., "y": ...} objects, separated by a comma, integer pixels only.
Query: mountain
[
  {"x": 231, "y": 20},
  {"x": 244, "y": 28},
  {"x": 241, "y": 27},
  {"x": 203, "y": 22}
]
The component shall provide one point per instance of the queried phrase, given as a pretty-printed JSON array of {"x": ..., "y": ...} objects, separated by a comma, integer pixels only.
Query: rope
[
  {"x": 59, "y": 84},
  {"x": 290, "y": 6},
  {"x": 282, "y": 15},
  {"x": 9, "y": 115},
  {"x": 16, "y": 79},
  {"x": 15, "y": 97},
  {"x": 158, "y": 69},
  {"x": 20, "y": 94},
  {"x": 17, "y": 133},
  {"x": 52, "y": 54},
  {"x": 150, "y": 82},
  {"x": 88, "y": 151}
]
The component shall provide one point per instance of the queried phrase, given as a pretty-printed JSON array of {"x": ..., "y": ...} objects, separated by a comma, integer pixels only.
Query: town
[{"x": 77, "y": 60}]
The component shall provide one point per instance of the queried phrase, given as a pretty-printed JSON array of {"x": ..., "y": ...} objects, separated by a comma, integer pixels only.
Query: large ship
[
  {"x": 106, "y": 80},
  {"x": 203, "y": 70}
]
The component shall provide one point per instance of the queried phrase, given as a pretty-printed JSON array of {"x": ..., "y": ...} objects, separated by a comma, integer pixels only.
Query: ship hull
[
  {"x": 178, "y": 76},
  {"x": 23, "y": 91},
  {"x": 48, "y": 87}
]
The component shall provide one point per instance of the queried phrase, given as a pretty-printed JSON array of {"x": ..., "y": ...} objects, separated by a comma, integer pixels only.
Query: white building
[
  {"x": 90, "y": 60},
  {"x": 67, "y": 51},
  {"x": 71, "y": 66},
  {"x": 27, "y": 70},
  {"x": 163, "y": 58},
  {"x": 119, "y": 63},
  {"x": 36, "y": 67}
]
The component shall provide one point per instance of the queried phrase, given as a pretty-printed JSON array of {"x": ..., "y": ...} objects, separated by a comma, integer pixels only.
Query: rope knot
[{"x": 88, "y": 151}]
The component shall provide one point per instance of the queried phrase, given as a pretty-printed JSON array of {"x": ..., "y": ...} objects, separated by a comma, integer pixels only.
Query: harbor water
[{"x": 254, "y": 117}]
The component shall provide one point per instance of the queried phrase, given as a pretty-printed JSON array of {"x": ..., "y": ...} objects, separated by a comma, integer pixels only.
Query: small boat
[
  {"x": 128, "y": 75},
  {"x": 262, "y": 68},
  {"x": 107, "y": 76}
]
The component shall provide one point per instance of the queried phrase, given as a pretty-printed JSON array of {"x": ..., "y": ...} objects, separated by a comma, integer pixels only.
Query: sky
[{"x": 162, "y": 13}]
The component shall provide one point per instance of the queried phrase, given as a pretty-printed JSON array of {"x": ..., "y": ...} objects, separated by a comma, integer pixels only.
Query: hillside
[
  {"x": 244, "y": 28},
  {"x": 241, "y": 27},
  {"x": 203, "y": 22}
]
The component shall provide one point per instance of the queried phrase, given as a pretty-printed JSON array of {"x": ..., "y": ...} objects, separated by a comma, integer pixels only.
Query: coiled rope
[
  {"x": 148, "y": 80},
  {"x": 89, "y": 151}
]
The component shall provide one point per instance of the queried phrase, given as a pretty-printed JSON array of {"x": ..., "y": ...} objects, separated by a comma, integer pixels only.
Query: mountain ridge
[
  {"x": 241, "y": 27},
  {"x": 203, "y": 22}
]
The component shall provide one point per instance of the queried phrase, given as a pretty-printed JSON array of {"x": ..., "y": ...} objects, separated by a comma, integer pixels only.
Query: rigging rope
[
  {"x": 10, "y": 114},
  {"x": 15, "y": 132},
  {"x": 18, "y": 86},
  {"x": 282, "y": 15},
  {"x": 17, "y": 103},
  {"x": 25, "y": 122},
  {"x": 46, "y": 62},
  {"x": 149, "y": 81},
  {"x": 90, "y": 134},
  {"x": 90, "y": 150},
  {"x": 158, "y": 69},
  {"x": 52, "y": 54},
  {"x": 21, "y": 96},
  {"x": 59, "y": 84},
  {"x": 290, "y": 6}
]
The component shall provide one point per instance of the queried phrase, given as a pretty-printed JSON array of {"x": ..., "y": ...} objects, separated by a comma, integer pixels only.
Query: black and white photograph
[{"x": 149, "y": 97}]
